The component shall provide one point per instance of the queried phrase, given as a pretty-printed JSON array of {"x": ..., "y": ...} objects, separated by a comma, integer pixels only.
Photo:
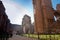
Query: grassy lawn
[{"x": 52, "y": 37}]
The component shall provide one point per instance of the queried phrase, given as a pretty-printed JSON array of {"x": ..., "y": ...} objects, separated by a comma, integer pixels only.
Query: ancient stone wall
[
  {"x": 26, "y": 24},
  {"x": 4, "y": 21}
]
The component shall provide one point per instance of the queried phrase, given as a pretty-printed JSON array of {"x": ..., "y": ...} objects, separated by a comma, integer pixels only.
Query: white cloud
[{"x": 16, "y": 11}]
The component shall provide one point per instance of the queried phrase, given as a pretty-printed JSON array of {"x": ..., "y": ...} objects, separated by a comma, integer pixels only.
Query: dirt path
[{"x": 17, "y": 37}]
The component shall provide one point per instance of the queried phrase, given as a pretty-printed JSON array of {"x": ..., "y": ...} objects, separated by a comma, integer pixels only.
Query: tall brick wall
[
  {"x": 38, "y": 16},
  {"x": 43, "y": 12},
  {"x": 48, "y": 13}
]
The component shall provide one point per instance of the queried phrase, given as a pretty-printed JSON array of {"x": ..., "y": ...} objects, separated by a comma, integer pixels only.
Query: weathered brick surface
[{"x": 44, "y": 16}]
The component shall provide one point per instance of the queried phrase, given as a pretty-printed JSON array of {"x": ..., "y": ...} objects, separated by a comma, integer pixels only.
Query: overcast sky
[{"x": 16, "y": 9}]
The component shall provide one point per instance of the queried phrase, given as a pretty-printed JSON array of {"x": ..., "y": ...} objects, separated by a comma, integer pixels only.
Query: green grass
[{"x": 53, "y": 37}]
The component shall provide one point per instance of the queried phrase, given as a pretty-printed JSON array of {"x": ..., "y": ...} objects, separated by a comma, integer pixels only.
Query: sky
[
  {"x": 16, "y": 9},
  {"x": 54, "y": 3}
]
